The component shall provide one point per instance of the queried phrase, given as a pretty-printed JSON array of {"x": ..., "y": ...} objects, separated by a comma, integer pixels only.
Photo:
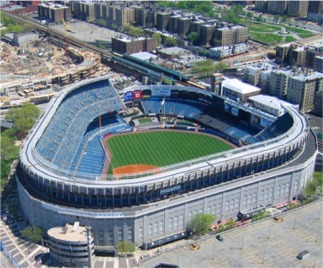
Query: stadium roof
[
  {"x": 268, "y": 101},
  {"x": 240, "y": 87}
]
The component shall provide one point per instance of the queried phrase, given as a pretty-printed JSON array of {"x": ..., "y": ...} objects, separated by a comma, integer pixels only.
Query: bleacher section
[
  {"x": 64, "y": 134},
  {"x": 186, "y": 108},
  {"x": 280, "y": 126}
]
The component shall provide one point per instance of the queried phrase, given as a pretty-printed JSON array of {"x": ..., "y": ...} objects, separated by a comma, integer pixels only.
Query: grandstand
[{"x": 59, "y": 176}]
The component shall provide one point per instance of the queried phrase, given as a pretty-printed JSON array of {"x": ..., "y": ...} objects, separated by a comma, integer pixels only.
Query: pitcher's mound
[{"x": 133, "y": 169}]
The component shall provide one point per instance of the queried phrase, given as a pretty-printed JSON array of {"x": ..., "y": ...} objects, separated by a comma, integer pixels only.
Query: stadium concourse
[{"x": 60, "y": 177}]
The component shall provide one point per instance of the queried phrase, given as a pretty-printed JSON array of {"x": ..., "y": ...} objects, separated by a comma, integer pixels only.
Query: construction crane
[{"x": 67, "y": 30}]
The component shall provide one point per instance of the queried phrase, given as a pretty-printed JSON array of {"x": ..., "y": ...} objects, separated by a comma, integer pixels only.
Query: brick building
[
  {"x": 54, "y": 12},
  {"x": 132, "y": 45}
]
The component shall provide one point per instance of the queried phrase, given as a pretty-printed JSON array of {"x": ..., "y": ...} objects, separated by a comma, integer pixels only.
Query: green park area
[{"x": 268, "y": 34}]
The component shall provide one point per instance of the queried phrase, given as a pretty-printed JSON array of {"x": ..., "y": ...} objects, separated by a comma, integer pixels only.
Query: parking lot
[{"x": 263, "y": 244}]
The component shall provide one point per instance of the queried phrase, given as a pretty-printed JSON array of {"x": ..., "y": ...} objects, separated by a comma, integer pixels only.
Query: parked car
[
  {"x": 194, "y": 246},
  {"x": 220, "y": 238},
  {"x": 278, "y": 219}
]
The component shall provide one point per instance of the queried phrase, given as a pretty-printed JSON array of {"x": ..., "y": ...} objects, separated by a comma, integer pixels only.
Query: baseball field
[{"x": 159, "y": 148}]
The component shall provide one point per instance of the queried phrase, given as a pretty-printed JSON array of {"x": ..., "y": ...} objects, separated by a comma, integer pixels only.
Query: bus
[{"x": 246, "y": 215}]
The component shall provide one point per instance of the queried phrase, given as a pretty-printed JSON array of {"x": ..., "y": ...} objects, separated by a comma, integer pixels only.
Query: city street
[{"x": 263, "y": 244}]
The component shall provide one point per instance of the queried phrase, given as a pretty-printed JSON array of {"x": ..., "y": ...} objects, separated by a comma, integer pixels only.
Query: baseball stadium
[{"x": 138, "y": 166}]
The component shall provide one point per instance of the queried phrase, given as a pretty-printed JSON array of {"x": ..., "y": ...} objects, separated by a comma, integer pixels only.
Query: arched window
[
  {"x": 171, "y": 224},
  {"x": 161, "y": 227},
  {"x": 181, "y": 221},
  {"x": 232, "y": 204},
  {"x": 237, "y": 203},
  {"x": 155, "y": 228},
  {"x": 150, "y": 229},
  {"x": 262, "y": 195},
  {"x": 175, "y": 222},
  {"x": 287, "y": 188}
]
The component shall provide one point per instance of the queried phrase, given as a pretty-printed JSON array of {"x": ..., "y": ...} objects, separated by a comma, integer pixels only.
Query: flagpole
[{"x": 164, "y": 108}]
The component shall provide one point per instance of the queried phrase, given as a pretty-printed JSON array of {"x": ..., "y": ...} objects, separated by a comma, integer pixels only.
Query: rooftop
[
  {"x": 174, "y": 50},
  {"x": 266, "y": 100},
  {"x": 311, "y": 76},
  {"x": 69, "y": 233},
  {"x": 144, "y": 56},
  {"x": 240, "y": 87}
]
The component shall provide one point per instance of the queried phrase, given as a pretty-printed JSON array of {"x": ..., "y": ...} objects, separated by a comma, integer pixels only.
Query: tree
[
  {"x": 9, "y": 150},
  {"x": 260, "y": 18},
  {"x": 249, "y": 15},
  {"x": 33, "y": 233},
  {"x": 193, "y": 37},
  {"x": 316, "y": 183},
  {"x": 125, "y": 246},
  {"x": 170, "y": 41},
  {"x": 24, "y": 118},
  {"x": 200, "y": 223},
  {"x": 158, "y": 38}
]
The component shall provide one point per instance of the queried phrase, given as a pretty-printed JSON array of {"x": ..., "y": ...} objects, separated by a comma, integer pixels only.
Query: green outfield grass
[{"x": 161, "y": 148}]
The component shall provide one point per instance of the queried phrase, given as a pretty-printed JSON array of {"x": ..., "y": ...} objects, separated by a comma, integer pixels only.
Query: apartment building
[
  {"x": 206, "y": 34},
  {"x": 277, "y": 7},
  {"x": 302, "y": 89},
  {"x": 297, "y": 8},
  {"x": 315, "y": 11},
  {"x": 54, "y": 12},
  {"x": 230, "y": 35},
  {"x": 279, "y": 83},
  {"x": 132, "y": 45},
  {"x": 162, "y": 20}
]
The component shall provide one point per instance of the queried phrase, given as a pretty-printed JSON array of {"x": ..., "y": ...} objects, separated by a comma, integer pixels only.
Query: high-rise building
[
  {"x": 297, "y": 8},
  {"x": 297, "y": 56},
  {"x": 151, "y": 18},
  {"x": 223, "y": 36},
  {"x": 279, "y": 83},
  {"x": 261, "y": 5},
  {"x": 54, "y": 12},
  {"x": 282, "y": 53},
  {"x": 318, "y": 100},
  {"x": 173, "y": 23},
  {"x": 141, "y": 16},
  {"x": 162, "y": 20},
  {"x": 124, "y": 15},
  {"x": 318, "y": 64},
  {"x": 230, "y": 35},
  {"x": 277, "y": 7},
  {"x": 184, "y": 25},
  {"x": 196, "y": 25},
  {"x": 315, "y": 11},
  {"x": 240, "y": 34},
  {"x": 206, "y": 34},
  {"x": 251, "y": 75},
  {"x": 302, "y": 89},
  {"x": 132, "y": 45},
  {"x": 264, "y": 81}
]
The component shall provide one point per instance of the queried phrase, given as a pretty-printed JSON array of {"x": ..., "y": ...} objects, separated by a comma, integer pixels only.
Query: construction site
[{"x": 36, "y": 71}]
